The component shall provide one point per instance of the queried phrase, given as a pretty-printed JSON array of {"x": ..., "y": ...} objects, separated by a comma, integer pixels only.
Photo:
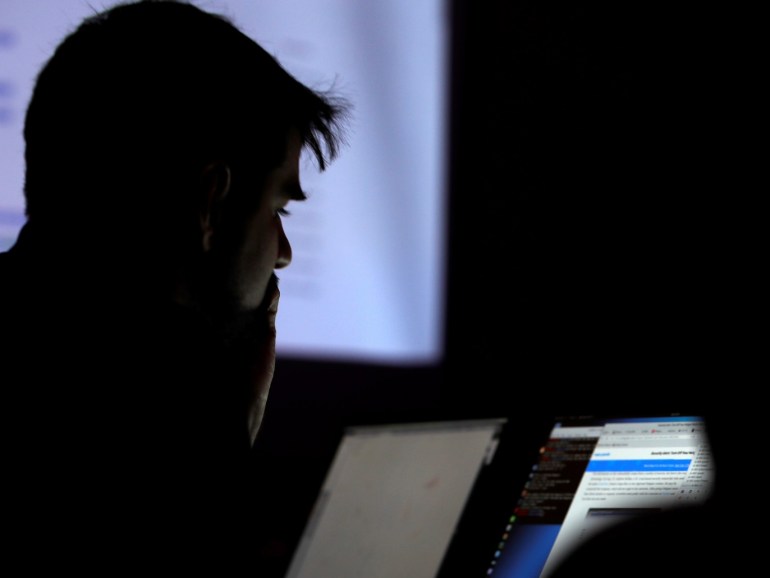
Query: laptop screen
[
  {"x": 392, "y": 499},
  {"x": 592, "y": 473}
]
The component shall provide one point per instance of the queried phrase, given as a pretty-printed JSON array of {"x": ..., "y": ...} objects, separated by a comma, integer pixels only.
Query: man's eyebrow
[{"x": 294, "y": 192}]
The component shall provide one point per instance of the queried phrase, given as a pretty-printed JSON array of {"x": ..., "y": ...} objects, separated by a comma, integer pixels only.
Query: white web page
[{"x": 635, "y": 468}]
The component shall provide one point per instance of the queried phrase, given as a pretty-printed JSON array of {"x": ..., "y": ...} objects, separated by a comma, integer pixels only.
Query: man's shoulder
[
  {"x": 7, "y": 261},
  {"x": 13, "y": 297},
  {"x": 11, "y": 272}
]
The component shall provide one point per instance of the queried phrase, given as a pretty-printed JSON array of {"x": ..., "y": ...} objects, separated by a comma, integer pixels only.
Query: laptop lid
[{"x": 392, "y": 499}]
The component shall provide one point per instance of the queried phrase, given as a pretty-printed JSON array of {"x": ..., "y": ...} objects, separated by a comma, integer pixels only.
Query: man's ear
[{"x": 215, "y": 185}]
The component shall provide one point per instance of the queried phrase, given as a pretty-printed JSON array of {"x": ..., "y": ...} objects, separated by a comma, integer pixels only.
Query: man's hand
[{"x": 263, "y": 366}]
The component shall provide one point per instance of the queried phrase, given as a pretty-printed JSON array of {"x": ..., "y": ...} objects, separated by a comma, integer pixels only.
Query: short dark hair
[{"x": 137, "y": 96}]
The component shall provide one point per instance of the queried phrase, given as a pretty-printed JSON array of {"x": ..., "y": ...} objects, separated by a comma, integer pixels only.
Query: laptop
[
  {"x": 483, "y": 497},
  {"x": 586, "y": 474}
]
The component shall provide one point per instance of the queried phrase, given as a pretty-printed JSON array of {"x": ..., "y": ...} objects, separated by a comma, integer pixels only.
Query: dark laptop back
[{"x": 392, "y": 499}]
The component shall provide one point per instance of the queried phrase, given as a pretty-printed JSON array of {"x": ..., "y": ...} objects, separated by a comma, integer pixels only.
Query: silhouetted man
[{"x": 139, "y": 301}]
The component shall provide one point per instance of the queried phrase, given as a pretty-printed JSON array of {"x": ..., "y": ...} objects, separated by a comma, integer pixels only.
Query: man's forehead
[
  {"x": 282, "y": 183},
  {"x": 291, "y": 187}
]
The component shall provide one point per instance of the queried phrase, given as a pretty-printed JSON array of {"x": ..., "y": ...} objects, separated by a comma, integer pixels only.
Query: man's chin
[{"x": 252, "y": 298}]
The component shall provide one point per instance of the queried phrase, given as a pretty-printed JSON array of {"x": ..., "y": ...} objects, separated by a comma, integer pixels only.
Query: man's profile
[{"x": 139, "y": 301}]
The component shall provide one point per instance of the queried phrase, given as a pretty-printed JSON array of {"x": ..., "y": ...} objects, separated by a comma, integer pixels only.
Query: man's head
[{"x": 154, "y": 130}]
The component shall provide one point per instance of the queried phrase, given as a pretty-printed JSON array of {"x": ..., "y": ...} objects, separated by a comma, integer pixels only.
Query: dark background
[{"x": 589, "y": 239}]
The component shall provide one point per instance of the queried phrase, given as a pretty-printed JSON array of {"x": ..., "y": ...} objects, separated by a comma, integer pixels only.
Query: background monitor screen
[{"x": 367, "y": 279}]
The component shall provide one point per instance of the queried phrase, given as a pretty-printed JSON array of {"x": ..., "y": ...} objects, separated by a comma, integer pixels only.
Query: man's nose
[{"x": 284, "y": 249}]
